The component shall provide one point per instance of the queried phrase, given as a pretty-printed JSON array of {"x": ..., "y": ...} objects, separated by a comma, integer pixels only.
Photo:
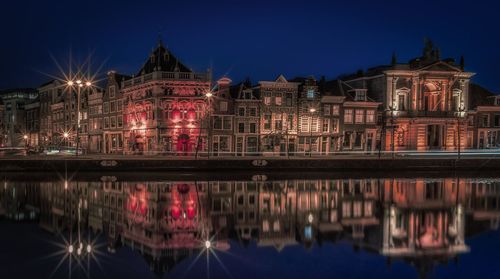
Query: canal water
[{"x": 155, "y": 225}]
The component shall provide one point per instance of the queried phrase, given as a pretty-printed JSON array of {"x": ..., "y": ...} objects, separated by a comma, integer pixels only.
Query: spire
[
  {"x": 160, "y": 41},
  {"x": 394, "y": 59},
  {"x": 462, "y": 62}
]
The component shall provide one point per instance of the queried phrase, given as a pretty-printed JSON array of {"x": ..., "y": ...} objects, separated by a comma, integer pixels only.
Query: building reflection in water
[{"x": 422, "y": 221}]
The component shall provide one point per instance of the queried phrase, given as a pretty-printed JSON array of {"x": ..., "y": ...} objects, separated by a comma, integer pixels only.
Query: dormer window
[
  {"x": 310, "y": 93},
  {"x": 360, "y": 95}
]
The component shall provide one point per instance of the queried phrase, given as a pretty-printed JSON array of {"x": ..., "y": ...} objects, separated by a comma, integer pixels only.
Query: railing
[
  {"x": 421, "y": 113},
  {"x": 166, "y": 76}
]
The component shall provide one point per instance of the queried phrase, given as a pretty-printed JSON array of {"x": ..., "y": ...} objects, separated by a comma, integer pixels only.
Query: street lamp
[
  {"x": 25, "y": 137},
  {"x": 80, "y": 84},
  {"x": 66, "y": 136},
  {"x": 209, "y": 96},
  {"x": 461, "y": 110},
  {"x": 311, "y": 111}
]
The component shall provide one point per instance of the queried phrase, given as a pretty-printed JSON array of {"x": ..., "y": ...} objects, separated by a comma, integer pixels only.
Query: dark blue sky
[{"x": 260, "y": 39}]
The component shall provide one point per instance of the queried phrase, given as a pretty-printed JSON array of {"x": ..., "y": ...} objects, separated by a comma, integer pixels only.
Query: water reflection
[{"x": 423, "y": 221}]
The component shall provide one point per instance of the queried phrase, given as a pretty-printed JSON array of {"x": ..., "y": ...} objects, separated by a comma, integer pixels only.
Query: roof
[
  {"x": 24, "y": 90},
  {"x": 161, "y": 59},
  {"x": 480, "y": 96},
  {"x": 237, "y": 89}
]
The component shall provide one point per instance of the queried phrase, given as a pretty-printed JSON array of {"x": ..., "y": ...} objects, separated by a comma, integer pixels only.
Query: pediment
[
  {"x": 440, "y": 66},
  {"x": 281, "y": 79}
]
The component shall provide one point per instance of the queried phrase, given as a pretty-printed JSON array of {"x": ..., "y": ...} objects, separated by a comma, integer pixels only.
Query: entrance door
[
  {"x": 434, "y": 136},
  {"x": 239, "y": 146},
  {"x": 291, "y": 147},
  {"x": 183, "y": 144},
  {"x": 369, "y": 142}
]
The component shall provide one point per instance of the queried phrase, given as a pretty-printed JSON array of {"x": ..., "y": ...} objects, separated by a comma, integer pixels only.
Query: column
[
  {"x": 444, "y": 91},
  {"x": 415, "y": 93},
  {"x": 389, "y": 93}
]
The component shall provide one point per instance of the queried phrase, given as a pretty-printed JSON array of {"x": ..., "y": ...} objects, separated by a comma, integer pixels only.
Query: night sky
[{"x": 259, "y": 39}]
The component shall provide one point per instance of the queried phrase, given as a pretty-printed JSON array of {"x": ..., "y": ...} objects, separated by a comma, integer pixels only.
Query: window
[
  {"x": 119, "y": 105},
  {"x": 326, "y": 125},
  {"x": 223, "y": 106},
  {"x": 112, "y": 91},
  {"x": 112, "y": 106},
  {"x": 217, "y": 122},
  {"x": 106, "y": 122},
  {"x": 277, "y": 100},
  {"x": 486, "y": 120},
  {"x": 401, "y": 102},
  {"x": 288, "y": 97},
  {"x": 253, "y": 128},
  {"x": 360, "y": 95},
  {"x": 497, "y": 120},
  {"x": 326, "y": 109},
  {"x": 253, "y": 112},
  {"x": 335, "y": 125},
  {"x": 119, "y": 120},
  {"x": 346, "y": 209},
  {"x": 359, "y": 116},
  {"x": 290, "y": 122},
  {"x": 348, "y": 116},
  {"x": 370, "y": 116},
  {"x": 241, "y": 111},
  {"x": 278, "y": 124},
  {"x": 227, "y": 123},
  {"x": 241, "y": 127},
  {"x": 335, "y": 109},
  {"x": 106, "y": 107},
  {"x": 267, "y": 100},
  {"x": 267, "y": 121},
  {"x": 113, "y": 122},
  {"x": 310, "y": 93},
  {"x": 357, "y": 209}
]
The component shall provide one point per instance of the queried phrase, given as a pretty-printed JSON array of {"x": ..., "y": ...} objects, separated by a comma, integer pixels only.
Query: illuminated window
[
  {"x": 348, "y": 116},
  {"x": 326, "y": 109},
  {"x": 277, "y": 100},
  {"x": 359, "y": 116},
  {"x": 310, "y": 93},
  {"x": 370, "y": 116},
  {"x": 267, "y": 100}
]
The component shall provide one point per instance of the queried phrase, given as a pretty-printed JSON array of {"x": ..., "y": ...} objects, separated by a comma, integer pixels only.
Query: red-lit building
[{"x": 165, "y": 107}]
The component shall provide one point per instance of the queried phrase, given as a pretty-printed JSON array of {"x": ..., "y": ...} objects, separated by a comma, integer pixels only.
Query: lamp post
[
  {"x": 311, "y": 111},
  {"x": 65, "y": 137},
  {"x": 209, "y": 96},
  {"x": 461, "y": 110},
  {"x": 391, "y": 109},
  {"x": 25, "y": 137},
  {"x": 79, "y": 85}
]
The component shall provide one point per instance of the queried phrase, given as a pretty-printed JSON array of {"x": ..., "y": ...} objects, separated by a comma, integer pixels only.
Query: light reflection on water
[{"x": 190, "y": 226}]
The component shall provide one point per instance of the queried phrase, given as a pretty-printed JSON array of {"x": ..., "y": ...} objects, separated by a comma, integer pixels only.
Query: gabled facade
[
  {"x": 278, "y": 114},
  {"x": 165, "y": 107},
  {"x": 247, "y": 119}
]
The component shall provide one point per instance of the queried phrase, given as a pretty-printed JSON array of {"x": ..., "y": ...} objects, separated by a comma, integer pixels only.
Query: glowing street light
[
  {"x": 311, "y": 111},
  {"x": 65, "y": 135},
  {"x": 25, "y": 137},
  {"x": 209, "y": 96},
  {"x": 71, "y": 249},
  {"x": 208, "y": 244},
  {"x": 80, "y": 84},
  {"x": 310, "y": 218},
  {"x": 89, "y": 248}
]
